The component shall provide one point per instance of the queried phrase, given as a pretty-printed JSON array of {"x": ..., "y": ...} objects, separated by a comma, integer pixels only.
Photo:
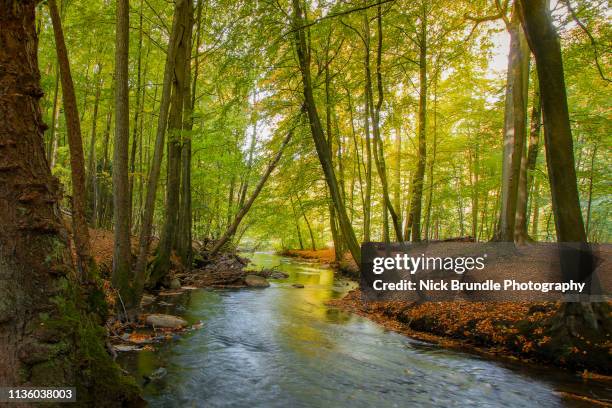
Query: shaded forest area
[{"x": 212, "y": 124}]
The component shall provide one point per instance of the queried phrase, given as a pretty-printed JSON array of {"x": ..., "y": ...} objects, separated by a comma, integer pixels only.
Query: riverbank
[
  {"x": 327, "y": 256},
  {"x": 519, "y": 331}
]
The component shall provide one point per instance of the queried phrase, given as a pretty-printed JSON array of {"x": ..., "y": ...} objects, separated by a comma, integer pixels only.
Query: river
[{"x": 283, "y": 347}]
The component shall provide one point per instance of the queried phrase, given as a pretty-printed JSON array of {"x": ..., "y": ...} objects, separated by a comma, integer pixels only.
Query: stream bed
[{"x": 283, "y": 347}]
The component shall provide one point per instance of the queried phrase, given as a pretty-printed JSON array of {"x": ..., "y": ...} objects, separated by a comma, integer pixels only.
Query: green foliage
[{"x": 248, "y": 83}]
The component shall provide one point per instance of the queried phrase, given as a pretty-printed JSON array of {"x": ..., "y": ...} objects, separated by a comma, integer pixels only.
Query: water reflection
[{"x": 282, "y": 347}]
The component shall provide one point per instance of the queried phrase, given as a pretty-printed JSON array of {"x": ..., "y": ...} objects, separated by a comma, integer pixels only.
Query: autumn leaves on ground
[{"x": 507, "y": 330}]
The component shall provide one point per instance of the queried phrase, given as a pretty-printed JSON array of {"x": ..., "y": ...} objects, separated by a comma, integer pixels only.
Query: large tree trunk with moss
[
  {"x": 574, "y": 319},
  {"x": 318, "y": 135},
  {"x": 161, "y": 264},
  {"x": 85, "y": 261},
  {"x": 48, "y": 337}
]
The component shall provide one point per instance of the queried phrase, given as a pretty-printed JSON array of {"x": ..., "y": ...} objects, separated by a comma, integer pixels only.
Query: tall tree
[
  {"x": 379, "y": 153},
  {"x": 86, "y": 263},
  {"x": 180, "y": 85},
  {"x": 158, "y": 153},
  {"x": 316, "y": 128},
  {"x": 544, "y": 43},
  {"x": 122, "y": 254},
  {"x": 413, "y": 225},
  {"x": 515, "y": 126},
  {"x": 48, "y": 338}
]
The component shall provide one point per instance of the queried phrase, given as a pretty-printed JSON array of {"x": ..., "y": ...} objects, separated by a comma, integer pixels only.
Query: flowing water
[{"x": 283, "y": 347}]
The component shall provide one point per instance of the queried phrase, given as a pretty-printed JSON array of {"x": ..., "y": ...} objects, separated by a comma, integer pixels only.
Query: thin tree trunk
[
  {"x": 514, "y": 127},
  {"x": 92, "y": 178},
  {"x": 528, "y": 164},
  {"x": 313, "y": 244},
  {"x": 100, "y": 205},
  {"x": 432, "y": 161},
  {"x": 231, "y": 230},
  {"x": 379, "y": 155},
  {"x": 137, "y": 110},
  {"x": 297, "y": 224},
  {"x": 367, "y": 211},
  {"x": 330, "y": 205},
  {"x": 51, "y": 150},
  {"x": 122, "y": 255},
  {"x": 590, "y": 199},
  {"x": 535, "y": 198},
  {"x": 86, "y": 264},
  {"x": 414, "y": 218},
  {"x": 475, "y": 191},
  {"x": 184, "y": 234}
]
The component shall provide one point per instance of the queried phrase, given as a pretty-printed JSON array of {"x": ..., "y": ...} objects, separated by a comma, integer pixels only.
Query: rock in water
[
  {"x": 298, "y": 285},
  {"x": 168, "y": 321},
  {"x": 256, "y": 281},
  {"x": 175, "y": 284},
  {"x": 279, "y": 275},
  {"x": 147, "y": 300}
]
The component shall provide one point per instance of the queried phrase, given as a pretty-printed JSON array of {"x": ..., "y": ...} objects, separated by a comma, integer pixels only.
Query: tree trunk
[
  {"x": 296, "y": 219},
  {"x": 158, "y": 152},
  {"x": 535, "y": 199},
  {"x": 161, "y": 265},
  {"x": 47, "y": 337},
  {"x": 318, "y": 135},
  {"x": 137, "y": 110},
  {"x": 85, "y": 262},
  {"x": 122, "y": 254},
  {"x": 51, "y": 151},
  {"x": 432, "y": 161},
  {"x": 545, "y": 45},
  {"x": 590, "y": 197},
  {"x": 313, "y": 244},
  {"x": 367, "y": 211},
  {"x": 184, "y": 234},
  {"x": 514, "y": 127},
  {"x": 92, "y": 173},
  {"x": 528, "y": 164},
  {"x": 414, "y": 219},
  {"x": 379, "y": 155},
  {"x": 333, "y": 225}
]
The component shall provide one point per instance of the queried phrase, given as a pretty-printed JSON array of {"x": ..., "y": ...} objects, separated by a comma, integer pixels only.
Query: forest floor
[{"x": 517, "y": 331}]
